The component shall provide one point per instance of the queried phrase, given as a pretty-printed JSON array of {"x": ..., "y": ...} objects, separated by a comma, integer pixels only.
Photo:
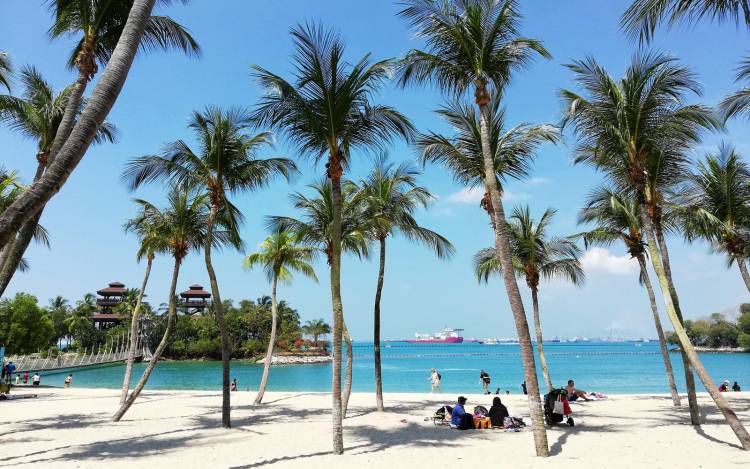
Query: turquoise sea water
[{"x": 612, "y": 368}]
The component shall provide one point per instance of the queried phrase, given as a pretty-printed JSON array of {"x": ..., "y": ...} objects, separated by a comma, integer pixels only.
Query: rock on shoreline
[{"x": 297, "y": 359}]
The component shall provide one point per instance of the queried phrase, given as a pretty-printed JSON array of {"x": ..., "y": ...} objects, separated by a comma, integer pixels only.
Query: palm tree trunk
[
  {"x": 271, "y": 343},
  {"x": 102, "y": 99},
  {"x": 347, "y": 370},
  {"x": 335, "y": 173},
  {"x": 171, "y": 317},
  {"x": 11, "y": 257},
  {"x": 540, "y": 340},
  {"x": 734, "y": 423},
  {"x": 659, "y": 332},
  {"x": 740, "y": 265},
  {"x": 219, "y": 311},
  {"x": 69, "y": 117},
  {"x": 502, "y": 249},
  {"x": 376, "y": 331},
  {"x": 695, "y": 416},
  {"x": 134, "y": 333}
]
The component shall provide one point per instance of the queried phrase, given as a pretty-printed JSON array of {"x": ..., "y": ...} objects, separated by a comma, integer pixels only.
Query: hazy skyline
[{"x": 421, "y": 292}]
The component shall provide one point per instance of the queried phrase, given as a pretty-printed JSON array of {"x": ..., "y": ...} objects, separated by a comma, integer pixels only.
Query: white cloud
[
  {"x": 467, "y": 195},
  {"x": 538, "y": 181},
  {"x": 601, "y": 260},
  {"x": 474, "y": 195}
]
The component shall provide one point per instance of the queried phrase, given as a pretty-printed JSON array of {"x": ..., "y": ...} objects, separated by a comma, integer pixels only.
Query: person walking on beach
[
  {"x": 484, "y": 378},
  {"x": 36, "y": 379},
  {"x": 18, "y": 379},
  {"x": 69, "y": 380},
  {"x": 435, "y": 379},
  {"x": 25, "y": 377},
  {"x": 523, "y": 387}
]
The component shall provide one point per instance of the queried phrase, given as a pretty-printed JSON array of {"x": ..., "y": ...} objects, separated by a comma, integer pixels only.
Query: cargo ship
[{"x": 446, "y": 336}]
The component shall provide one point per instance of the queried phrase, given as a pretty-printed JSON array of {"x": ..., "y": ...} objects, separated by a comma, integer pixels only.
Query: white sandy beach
[{"x": 181, "y": 429}]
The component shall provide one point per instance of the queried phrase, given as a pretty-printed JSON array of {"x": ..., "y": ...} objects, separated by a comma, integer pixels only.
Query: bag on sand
[{"x": 467, "y": 422}]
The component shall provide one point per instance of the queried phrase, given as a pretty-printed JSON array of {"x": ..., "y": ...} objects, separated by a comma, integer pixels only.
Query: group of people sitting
[{"x": 459, "y": 418}]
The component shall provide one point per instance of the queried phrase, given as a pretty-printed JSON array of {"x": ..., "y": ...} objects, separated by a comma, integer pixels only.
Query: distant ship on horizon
[{"x": 446, "y": 336}]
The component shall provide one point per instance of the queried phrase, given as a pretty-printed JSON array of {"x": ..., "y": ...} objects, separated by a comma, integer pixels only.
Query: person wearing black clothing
[
  {"x": 523, "y": 387},
  {"x": 736, "y": 387},
  {"x": 498, "y": 412},
  {"x": 484, "y": 377}
]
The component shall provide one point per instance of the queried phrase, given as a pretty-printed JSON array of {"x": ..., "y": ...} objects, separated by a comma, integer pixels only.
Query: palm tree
[
  {"x": 643, "y": 16},
  {"x": 316, "y": 228},
  {"x": 617, "y": 217},
  {"x": 5, "y": 70},
  {"x": 280, "y": 255},
  {"x": 225, "y": 164},
  {"x": 637, "y": 131},
  {"x": 151, "y": 242},
  {"x": 37, "y": 115},
  {"x": 535, "y": 256},
  {"x": 100, "y": 25},
  {"x": 59, "y": 309},
  {"x": 91, "y": 118},
  {"x": 316, "y": 328},
  {"x": 183, "y": 225},
  {"x": 715, "y": 204},
  {"x": 391, "y": 196},
  {"x": 513, "y": 151},
  {"x": 475, "y": 45},
  {"x": 328, "y": 109},
  {"x": 81, "y": 314}
]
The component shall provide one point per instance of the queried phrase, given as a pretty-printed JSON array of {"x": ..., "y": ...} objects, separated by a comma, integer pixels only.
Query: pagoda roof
[
  {"x": 195, "y": 291},
  {"x": 114, "y": 288}
]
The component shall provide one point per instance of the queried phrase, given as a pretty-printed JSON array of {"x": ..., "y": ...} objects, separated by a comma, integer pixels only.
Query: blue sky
[{"x": 421, "y": 293}]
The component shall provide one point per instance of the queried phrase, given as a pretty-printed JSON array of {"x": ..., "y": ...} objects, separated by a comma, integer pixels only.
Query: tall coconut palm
[
  {"x": 644, "y": 16},
  {"x": 536, "y": 256},
  {"x": 617, "y": 217},
  {"x": 280, "y": 255},
  {"x": 637, "y": 131},
  {"x": 99, "y": 25},
  {"x": 475, "y": 45},
  {"x": 37, "y": 115},
  {"x": 391, "y": 196},
  {"x": 328, "y": 109},
  {"x": 315, "y": 228},
  {"x": 151, "y": 242},
  {"x": 102, "y": 99},
  {"x": 513, "y": 152},
  {"x": 5, "y": 70},
  {"x": 224, "y": 165},
  {"x": 183, "y": 225},
  {"x": 715, "y": 204}
]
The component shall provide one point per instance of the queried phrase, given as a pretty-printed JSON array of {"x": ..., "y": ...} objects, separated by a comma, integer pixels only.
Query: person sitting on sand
[
  {"x": 736, "y": 387},
  {"x": 458, "y": 411},
  {"x": 498, "y": 412},
  {"x": 573, "y": 393}
]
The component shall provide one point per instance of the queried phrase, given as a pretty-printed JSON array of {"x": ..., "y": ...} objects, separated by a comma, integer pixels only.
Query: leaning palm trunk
[
  {"x": 740, "y": 265},
  {"x": 271, "y": 343},
  {"x": 171, "y": 317},
  {"x": 72, "y": 151},
  {"x": 219, "y": 311},
  {"x": 376, "y": 330},
  {"x": 659, "y": 331},
  {"x": 134, "y": 332},
  {"x": 540, "y": 340},
  {"x": 347, "y": 370},
  {"x": 502, "y": 249},
  {"x": 685, "y": 344},
  {"x": 335, "y": 172},
  {"x": 695, "y": 417}
]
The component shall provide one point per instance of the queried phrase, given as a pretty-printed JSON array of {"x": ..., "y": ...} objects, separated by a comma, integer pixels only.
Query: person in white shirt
[
  {"x": 435, "y": 380},
  {"x": 36, "y": 379},
  {"x": 69, "y": 380}
]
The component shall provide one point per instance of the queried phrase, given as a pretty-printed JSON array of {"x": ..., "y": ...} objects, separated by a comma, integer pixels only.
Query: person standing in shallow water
[
  {"x": 484, "y": 378},
  {"x": 435, "y": 379},
  {"x": 234, "y": 385}
]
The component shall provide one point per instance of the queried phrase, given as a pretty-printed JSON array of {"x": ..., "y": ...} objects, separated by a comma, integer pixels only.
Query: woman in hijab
[{"x": 498, "y": 412}]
